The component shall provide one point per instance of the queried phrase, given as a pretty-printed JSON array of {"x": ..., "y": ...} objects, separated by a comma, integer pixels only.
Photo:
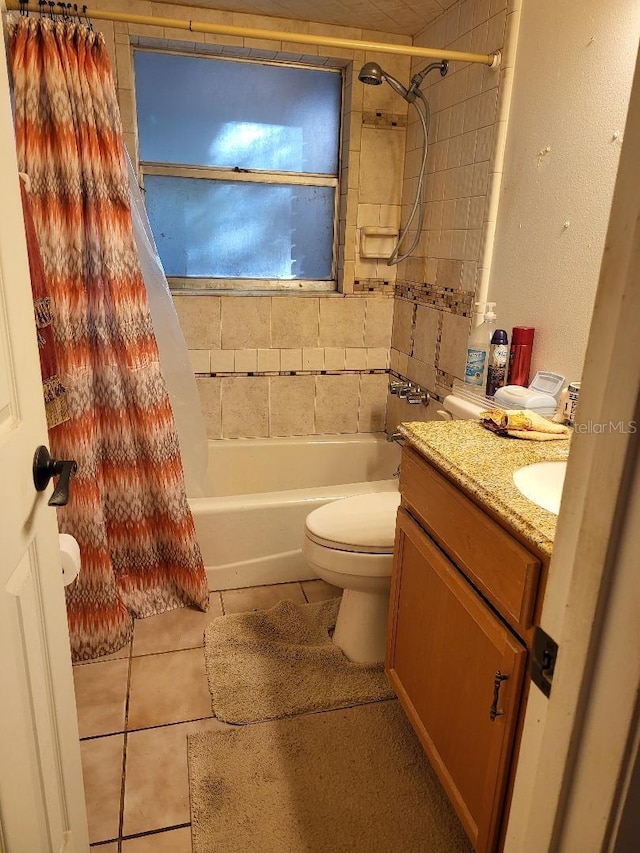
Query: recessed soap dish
[{"x": 377, "y": 242}]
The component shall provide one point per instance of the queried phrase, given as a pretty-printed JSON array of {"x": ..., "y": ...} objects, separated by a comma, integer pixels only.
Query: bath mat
[
  {"x": 279, "y": 662},
  {"x": 348, "y": 781}
]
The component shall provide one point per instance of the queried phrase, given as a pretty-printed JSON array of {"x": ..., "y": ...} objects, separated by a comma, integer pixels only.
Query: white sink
[{"x": 542, "y": 483}]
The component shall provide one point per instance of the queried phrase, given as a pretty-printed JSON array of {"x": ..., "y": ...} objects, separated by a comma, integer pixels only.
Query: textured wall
[{"x": 570, "y": 97}]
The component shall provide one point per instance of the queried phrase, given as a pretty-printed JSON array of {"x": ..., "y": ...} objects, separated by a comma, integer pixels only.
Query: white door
[{"x": 41, "y": 794}]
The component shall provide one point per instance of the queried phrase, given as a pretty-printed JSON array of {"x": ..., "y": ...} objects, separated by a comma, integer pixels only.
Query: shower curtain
[{"x": 128, "y": 507}]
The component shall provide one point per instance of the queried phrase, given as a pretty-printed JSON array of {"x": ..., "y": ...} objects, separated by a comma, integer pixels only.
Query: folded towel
[{"x": 523, "y": 424}]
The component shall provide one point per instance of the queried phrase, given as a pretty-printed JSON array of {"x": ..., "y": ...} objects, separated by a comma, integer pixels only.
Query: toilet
[{"x": 349, "y": 544}]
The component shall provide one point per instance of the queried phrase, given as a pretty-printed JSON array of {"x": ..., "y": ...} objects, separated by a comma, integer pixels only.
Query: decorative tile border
[
  {"x": 374, "y": 285},
  {"x": 445, "y": 380},
  {"x": 443, "y": 298},
  {"x": 372, "y": 118},
  {"x": 436, "y": 359},
  {"x": 235, "y": 374}
]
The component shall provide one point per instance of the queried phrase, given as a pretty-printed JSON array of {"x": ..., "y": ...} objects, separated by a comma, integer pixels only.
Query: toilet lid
[{"x": 365, "y": 523}]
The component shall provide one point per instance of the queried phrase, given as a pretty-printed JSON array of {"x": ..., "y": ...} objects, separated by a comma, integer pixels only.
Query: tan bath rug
[
  {"x": 279, "y": 662},
  {"x": 349, "y": 781}
]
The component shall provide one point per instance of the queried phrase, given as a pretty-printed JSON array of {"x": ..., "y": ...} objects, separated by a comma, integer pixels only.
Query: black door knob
[{"x": 44, "y": 468}]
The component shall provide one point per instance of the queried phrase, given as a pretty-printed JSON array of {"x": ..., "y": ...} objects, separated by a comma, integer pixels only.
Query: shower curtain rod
[{"x": 490, "y": 59}]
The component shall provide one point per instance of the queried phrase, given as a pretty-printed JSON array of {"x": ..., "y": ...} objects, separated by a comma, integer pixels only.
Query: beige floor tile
[
  {"x": 173, "y": 841},
  {"x": 168, "y": 688},
  {"x": 105, "y": 848},
  {"x": 157, "y": 782},
  {"x": 101, "y": 695},
  {"x": 320, "y": 590},
  {"x": 260, "y": 597},
  {"x": 182, "y": 628},
  {"x": 102, "y": 772}
]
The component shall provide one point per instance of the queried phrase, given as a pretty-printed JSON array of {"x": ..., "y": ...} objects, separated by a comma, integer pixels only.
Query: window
[{"x": 240, "y": 164}]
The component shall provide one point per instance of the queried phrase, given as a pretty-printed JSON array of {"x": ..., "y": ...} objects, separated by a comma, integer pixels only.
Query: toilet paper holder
[
  {"x": 45, "y": 467},
  {"x": 70, "y": 560}
]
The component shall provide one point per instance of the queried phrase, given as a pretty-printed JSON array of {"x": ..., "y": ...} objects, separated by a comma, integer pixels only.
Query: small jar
[{"x": 571, "y": 403}]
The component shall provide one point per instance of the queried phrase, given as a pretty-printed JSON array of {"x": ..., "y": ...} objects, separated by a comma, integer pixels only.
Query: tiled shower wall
[
  {"x": 294, "y": 364},
  {"x": 289, "y": 365},
  {"x": 437, "y": 286}
]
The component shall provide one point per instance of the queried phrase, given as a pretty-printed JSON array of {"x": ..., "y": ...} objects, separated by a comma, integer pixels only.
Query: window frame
[{"x": 207, "y": 284}]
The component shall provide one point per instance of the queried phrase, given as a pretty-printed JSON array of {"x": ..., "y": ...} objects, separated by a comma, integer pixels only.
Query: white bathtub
[{"x": 251, "y": 526}]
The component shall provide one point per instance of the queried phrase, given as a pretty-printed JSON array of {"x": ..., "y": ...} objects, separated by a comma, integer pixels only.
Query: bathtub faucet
[
  {"x": 413, "y": 394},
  {"x": 399, "y": 388},
  {"x": 417, "y": 395}
]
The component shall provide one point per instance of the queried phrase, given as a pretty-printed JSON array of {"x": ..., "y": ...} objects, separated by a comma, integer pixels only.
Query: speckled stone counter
[{"x": 483, "y": 463}]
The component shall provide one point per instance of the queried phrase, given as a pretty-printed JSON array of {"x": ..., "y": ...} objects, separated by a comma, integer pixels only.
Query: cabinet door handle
[{"x": 497, "y": 681}]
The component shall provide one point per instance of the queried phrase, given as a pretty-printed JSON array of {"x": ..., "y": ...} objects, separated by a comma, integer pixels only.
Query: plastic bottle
[
  {"x": 475, "y": 372},
  {"x": 520, "y": 355},
  {"x": 498, "y": 356}
]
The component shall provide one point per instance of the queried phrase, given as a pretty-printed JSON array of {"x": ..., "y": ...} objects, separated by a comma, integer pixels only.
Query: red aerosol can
[{"x": 520, "y": 355}]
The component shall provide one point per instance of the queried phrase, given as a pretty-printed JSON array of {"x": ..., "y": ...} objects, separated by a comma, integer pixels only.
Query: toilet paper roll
[{"x": 69, "y": 558}]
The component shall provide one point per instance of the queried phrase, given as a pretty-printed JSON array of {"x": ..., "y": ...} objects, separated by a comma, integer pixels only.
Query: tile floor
[{"x": 135, "y": 710}]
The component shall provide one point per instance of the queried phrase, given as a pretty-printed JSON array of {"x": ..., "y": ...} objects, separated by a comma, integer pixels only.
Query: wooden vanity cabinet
[{"x": 456, "y": 665}]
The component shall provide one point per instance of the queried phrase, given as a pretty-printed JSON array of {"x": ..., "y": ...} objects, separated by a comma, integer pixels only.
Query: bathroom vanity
[{"x": 470, "y": 565}]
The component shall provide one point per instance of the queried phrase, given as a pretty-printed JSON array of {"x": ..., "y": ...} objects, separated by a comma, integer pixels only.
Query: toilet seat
[
  {"x": 348, "y": 562},
  {"x": 364, "y": 524},
  {"x": 354, "y": 536}
]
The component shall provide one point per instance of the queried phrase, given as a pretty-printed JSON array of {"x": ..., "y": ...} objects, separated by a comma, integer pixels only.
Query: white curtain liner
[{"x": 174, "y": 357}]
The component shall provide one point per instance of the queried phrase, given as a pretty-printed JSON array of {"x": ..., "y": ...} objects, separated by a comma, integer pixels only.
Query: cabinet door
[{"x": 445, "y": 653}]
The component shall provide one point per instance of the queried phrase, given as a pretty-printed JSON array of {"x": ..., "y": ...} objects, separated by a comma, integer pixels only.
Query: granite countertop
[{"x": 482, "y": 463}]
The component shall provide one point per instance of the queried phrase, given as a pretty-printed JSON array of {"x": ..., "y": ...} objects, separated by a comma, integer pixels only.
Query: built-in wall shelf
[{"x": 377, "y": 241}]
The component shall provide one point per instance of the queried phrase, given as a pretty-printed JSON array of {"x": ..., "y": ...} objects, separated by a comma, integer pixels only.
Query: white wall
[{"x": 572, "y": 81}]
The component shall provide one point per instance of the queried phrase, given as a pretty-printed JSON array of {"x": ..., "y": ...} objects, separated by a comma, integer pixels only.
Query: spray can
[
  {"x": 478, "y": 346},
  {"x": 497, "y": 370},
  {"x": 520, "y": 356}
]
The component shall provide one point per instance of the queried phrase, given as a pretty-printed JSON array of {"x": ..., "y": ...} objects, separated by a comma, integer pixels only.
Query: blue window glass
[
  {"x": 228, "y": 229},
  {"x": 225, "y": 138},
  {"x": 199, "y": 111}
]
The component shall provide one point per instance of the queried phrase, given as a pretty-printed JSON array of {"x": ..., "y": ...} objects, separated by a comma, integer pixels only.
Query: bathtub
[{"x": 250, "y": 526}]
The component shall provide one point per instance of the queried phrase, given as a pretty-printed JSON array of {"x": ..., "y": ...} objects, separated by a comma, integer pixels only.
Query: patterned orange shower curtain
[{"x": 128, "y": 507}]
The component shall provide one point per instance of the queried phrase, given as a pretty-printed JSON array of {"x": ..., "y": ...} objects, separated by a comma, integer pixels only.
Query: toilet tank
[{"x": 463, "y": 404}]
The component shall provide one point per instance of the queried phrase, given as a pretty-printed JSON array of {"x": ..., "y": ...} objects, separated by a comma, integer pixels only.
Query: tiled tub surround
[
  {"x": 436, "y": 288},
  {"x": 319, "y": 365},
  {"x": 428, "y": 347},
  {"x": 379, "y": 167},
  {"x": 464, "y": 162},
  {"x": 289, "y": 365}
]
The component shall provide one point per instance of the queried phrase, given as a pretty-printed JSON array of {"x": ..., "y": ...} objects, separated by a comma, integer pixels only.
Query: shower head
[{"x": 373, "y": 75}]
